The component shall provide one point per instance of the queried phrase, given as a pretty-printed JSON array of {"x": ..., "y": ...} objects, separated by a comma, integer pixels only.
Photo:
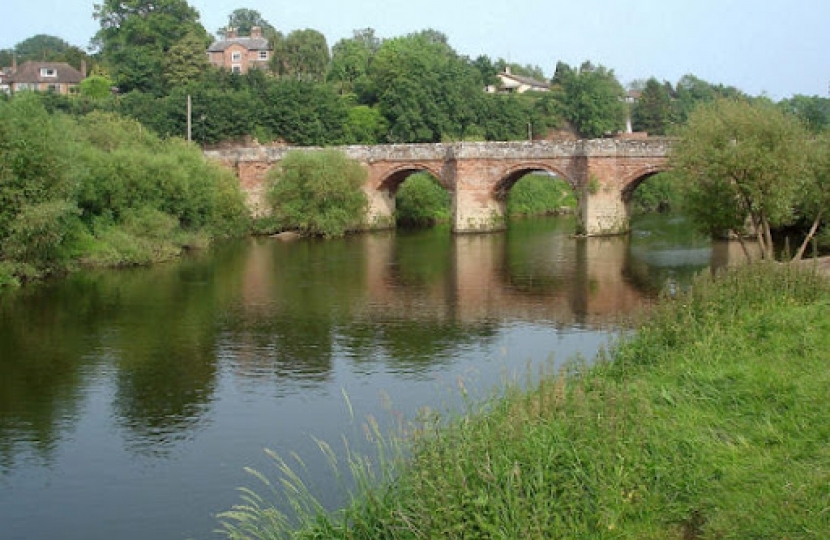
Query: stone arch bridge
[{"x": 478, "y": 175}]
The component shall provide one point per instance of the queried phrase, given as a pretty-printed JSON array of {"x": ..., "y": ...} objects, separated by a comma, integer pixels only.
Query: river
[{"x": 132, "y": 400}]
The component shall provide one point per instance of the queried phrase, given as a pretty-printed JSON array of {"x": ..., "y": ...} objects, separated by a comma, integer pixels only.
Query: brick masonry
[{"x": 603, "y": 173}]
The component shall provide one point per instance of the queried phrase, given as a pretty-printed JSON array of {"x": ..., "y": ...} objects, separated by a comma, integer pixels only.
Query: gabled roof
[
  {"x": 529, "y": 81},
  {"x": 29, "y": 72},
  {"x": 250, "y": 43}
]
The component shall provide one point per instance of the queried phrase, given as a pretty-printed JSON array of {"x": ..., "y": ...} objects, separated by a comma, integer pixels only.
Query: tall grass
[{"x": 709, "y": 423}]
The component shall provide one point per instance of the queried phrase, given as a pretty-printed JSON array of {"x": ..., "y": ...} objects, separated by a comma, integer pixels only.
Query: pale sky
[{"x": 774, "y": 47}]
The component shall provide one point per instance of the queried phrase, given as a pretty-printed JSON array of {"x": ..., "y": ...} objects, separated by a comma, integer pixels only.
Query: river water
[{"x": 132, "y": 400}]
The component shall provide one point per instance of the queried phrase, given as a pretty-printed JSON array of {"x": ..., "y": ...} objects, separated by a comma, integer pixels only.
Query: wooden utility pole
[{"x": 189, "y": 123}]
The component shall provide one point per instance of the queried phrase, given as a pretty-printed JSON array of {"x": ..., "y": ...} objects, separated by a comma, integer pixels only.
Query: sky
[{"x": 776, "y": 48}]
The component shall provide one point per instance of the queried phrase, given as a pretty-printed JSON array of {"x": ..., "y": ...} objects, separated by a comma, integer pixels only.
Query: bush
[
  {"x": 660, "y": 193},
  {"x": 422, "y": 201},
  {"x": 318, "y": 193},
  {"x": 539, "y": 194}
]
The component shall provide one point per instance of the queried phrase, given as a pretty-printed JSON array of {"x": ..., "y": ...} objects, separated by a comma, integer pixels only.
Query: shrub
[
  {"x": 318, "y": 193},
  {"x": 539, "y": 194},
  {"x": 422, "y": 201}
]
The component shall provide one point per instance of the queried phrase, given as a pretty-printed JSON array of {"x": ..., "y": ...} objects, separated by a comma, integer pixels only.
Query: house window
[
  {"x": 236, "y": 69},
  {"x": 48, "y": 72},
  {"x": 236, "y": 57},
  {"x": 54, "y": 88},
  {"x": 263, "y": 55}
]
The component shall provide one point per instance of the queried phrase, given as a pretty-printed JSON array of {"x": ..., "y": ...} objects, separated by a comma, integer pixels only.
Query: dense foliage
[
  {"x": 739, "y": 159},
  {"x": 102, "y": 190},
  {"x": 540, "y": 194},
  {"x": 421, "y": 201},
  {"x": 659, "y": 193},
  {"x": 318, "y": 193}
]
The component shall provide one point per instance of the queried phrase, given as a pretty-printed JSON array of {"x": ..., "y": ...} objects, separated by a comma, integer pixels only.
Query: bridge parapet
[{"x": 479, "y": 174}]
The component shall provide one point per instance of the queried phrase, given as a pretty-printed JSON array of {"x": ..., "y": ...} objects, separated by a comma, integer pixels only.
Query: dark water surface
[{"x": 131, "y": 400}]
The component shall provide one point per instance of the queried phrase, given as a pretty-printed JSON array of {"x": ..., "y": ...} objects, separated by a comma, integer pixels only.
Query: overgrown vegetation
[
  {"x": 318, "y": 193},
  {"x": 539, "y": 194},
  {"x": 660, "y": 193},
  {"x": 421, "y": 202},
  {"x": 102, "y": 190},
  {"x": 742, "y": 161},
  {"x": 709, "y": 423}
]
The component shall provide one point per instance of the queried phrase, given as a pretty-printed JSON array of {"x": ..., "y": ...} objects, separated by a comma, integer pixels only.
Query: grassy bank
[{"x": 710, "y": 423}]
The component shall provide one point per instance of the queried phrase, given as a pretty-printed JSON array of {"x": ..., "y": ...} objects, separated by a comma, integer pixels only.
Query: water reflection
[{"x": 146, "y": 362}]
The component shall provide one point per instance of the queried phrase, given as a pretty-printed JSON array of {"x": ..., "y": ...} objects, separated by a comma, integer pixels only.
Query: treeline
[
  {"x": 102, "y": 190},
  {"x": 362, "y": 90}
]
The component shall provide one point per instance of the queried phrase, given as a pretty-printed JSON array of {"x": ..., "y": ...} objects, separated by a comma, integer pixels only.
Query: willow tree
[{"x": 741, "y": 160}]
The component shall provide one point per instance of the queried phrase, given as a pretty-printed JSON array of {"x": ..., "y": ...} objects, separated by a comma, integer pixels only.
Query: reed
[{"x": 710, "y": 422}]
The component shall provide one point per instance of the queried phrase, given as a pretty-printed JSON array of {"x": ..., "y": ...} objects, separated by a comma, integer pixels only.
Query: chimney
[
  {"x": 256, "y": 31},
  {"x": 507, "y": 70},
  {"x": 83, "y": 69},
  {"x": 230, "y": 33}
]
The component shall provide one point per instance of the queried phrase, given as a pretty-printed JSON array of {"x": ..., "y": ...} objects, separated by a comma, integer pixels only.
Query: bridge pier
[{"x": 479, "y": 175}]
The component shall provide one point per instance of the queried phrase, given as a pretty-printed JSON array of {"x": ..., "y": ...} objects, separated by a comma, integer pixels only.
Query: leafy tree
[
  {"x": 562, "y": 73},
  {"x": 425, "y": 90},
  {"x": 243, "y": 20},
  {"x": 350, "y": 59},
  {"x": 319, "y": 193},
  {"x": 660, "y": 193},
  {"x": 692, "y": 91},
  {"x": 365, "y": 125},
  {"x": 41, "y": 47},
  {"x": 135, "y": 36},
  {"x": 186, "y": 62},
  {"x": 487, "y": 69},
  {"x": 739, "y": 159},
  {"x": 653, "y": 111},
  {"x": 593, "y": 99},
  {"x": 303, "y": 55},
  {"x": 814, "y": 193},
  {"x": 96, "y": 87},
  {"x": 813, "y": 111}
]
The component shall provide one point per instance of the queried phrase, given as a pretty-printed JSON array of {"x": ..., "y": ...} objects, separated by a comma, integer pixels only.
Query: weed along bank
[{"x": 708, "y": 422}]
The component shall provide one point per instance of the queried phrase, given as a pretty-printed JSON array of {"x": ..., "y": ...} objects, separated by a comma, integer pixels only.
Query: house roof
[
  {"x": 250, "y": 43},
  {"x": 529, "y": 81},
  {"x": 29, "y": 72}
]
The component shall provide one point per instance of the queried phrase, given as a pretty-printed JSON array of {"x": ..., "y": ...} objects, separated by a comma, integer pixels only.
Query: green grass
[{"x": 711, "y": 422}]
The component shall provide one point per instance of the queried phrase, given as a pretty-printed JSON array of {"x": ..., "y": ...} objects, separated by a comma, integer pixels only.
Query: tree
[
  {"x": 42, "y": 47},
  {"x": 425, "y": 90},
  {"x": 242, "y": 20},
  {"x": 350, "y": 59},
  {"x": 815, "y": 190},
  {"x": 319, "y": 193},
  {"x": 135, "y": 36},
  {"x": 592, "y": 99},
  {"x": 653, "y": 111},
  {"x": 813, "y": 111},
  {"x": 96, "y": 87},
  {"x": 185, "y": 62},
  {"x": 737, "y": 160},
  {"x": 303, "y": 55}
]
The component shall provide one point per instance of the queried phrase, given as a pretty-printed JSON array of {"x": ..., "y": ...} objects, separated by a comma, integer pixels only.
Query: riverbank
[{"x": 709, "y": 423}]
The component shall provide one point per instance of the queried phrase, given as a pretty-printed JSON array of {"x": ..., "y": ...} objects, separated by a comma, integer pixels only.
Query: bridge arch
[
  {"x": 632, "y": 181},
  {"x": 515, "y": 173},
  {"x": 392, "y": 179}
]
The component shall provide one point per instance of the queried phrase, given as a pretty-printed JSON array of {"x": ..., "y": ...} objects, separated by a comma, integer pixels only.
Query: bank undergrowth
[
  {"x": 709, "y": 423},
  {"x": 102, "y": 190}
]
